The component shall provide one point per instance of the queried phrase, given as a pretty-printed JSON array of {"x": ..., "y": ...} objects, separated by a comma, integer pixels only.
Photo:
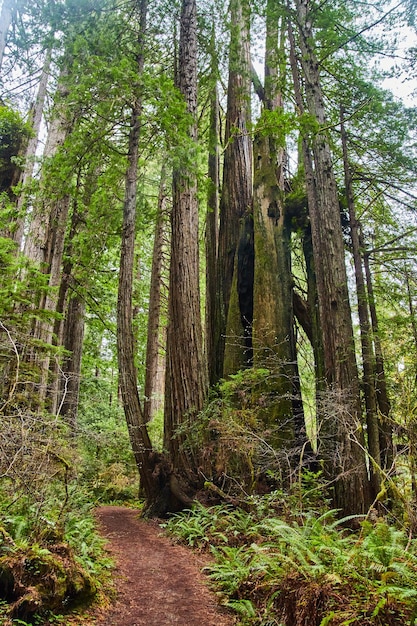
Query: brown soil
[{"x": 158, "y": 583}]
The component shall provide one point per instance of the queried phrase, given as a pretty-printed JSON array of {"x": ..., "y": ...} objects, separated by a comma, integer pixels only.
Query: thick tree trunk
[
  {"x": 368, "y": 358},
  {"x": 273, "y": 320},
  {"x": 235, "y": 253},
  {"x": 186, "y": 385},
  {"x": 340, "y": 442}
]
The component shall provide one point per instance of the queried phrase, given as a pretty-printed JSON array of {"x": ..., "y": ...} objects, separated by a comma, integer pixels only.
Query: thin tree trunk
[
  {"x": 139, "y": 437},
  {"x": 54, "y": 255},
  {"x": 73, "y": 337},
  {"x": 313, "y": 330},
  {"x": 368, "y": 358},
  {"x": 212, "y": 221},
  {"x": 384, "y": 404},
  {"x": 412, "y": 440},
  {"x": 154, "y": 323}
]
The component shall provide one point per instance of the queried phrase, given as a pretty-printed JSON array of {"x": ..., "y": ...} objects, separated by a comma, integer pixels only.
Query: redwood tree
[
  {"x": 186, "y": 376},
  {"x": 273, "y": 319},
  {"x": 233, "y": 328},
  {"x": 139, "y": 437},
  {"x": 341, "y": 443}
]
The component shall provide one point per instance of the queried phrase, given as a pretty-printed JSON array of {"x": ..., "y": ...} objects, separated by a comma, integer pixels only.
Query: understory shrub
[
  {"x": 241, "y": 449},
  {"x": 306, "y": 571}
]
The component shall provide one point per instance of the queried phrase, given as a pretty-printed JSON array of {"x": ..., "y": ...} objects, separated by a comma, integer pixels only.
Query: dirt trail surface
[{"x": 158, "y": 583}]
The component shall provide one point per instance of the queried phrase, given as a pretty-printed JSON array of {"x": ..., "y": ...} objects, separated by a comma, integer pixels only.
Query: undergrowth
[
  {"x": 51, "y": 558},
  {"x": 305, "y": 569}
]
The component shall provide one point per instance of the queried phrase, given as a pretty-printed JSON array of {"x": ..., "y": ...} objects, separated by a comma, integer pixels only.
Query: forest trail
[{"x": 158, "y": 583}]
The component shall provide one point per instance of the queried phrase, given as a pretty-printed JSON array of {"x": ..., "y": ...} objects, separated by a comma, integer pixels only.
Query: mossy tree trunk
[{"x": 273, "y": 319}]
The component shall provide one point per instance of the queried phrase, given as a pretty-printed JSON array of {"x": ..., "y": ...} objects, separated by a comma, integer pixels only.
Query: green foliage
[
  {"x": 49, "y": 561},
  {"x": 108, "y": 470},
  {"x": 18, "y": 297},
  {"x": 311, "y": 567},
  {"x": 12, "y": 129},
  {"x": 243, "y": 448}
]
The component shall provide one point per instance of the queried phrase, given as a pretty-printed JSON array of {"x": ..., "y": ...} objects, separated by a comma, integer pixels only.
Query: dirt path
[{"x": 158, "y": 583}]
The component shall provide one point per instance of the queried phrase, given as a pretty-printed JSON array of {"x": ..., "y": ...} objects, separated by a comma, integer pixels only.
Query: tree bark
[
  {"x": 212, "y": 221},
  {"x": 386, "y": 443},
  {"x": 235, "y": 254},
  {"x": 154, "y": 314},
  {"x": 73, "y": 336},
  {"x": 36, "y": 240},
  {"x": 368, "y": 358},
  {"x": 273, "y": 320},
  {"x": 341, "y": 443},
  {"x": 139, "y": 437},
  {"x": 26, "y": 176},
  {"x": 186, "y": 380}
]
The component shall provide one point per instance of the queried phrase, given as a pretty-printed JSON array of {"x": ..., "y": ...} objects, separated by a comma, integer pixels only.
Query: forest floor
[{"x": 157, "y": 583}]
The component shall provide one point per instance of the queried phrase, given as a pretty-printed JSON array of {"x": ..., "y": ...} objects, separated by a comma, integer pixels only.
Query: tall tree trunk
[
  {"x": 36, "y": 238},
  {"x": 6, "y": 16},
  {"x": 273, "y": 319},
  {"x": 212, "y": 221},
  {"x": 73, "y": 336},
  {"x": 154, "y": 316},
  {"x": 235, "y": 253},
  {"x": 412, "y": 439},
  {"x": 139, "y": 437},
  {"x": 340, "y": 442},
  {"x": 386, "y": 443},
  {"x": 36, "y": 118},
  {"x": 368, "y": 358},
  {"x": 54, "y": 252},
  {"x": 186, "y": 367},
  {"x": 71, "y": 310}
]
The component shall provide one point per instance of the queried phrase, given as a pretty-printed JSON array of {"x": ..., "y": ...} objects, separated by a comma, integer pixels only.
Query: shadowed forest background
[{"x": 208, "y": 298}]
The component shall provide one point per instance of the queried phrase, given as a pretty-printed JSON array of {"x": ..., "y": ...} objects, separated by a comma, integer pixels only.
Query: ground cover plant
[
  {"x": 276, "y": 566},
  {"x": 49, "y": 565}
]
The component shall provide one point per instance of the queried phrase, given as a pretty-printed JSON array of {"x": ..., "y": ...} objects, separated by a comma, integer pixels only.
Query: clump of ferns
[
  {"x": 363, "y": 576},
  {"x": 205, "y": 527}
]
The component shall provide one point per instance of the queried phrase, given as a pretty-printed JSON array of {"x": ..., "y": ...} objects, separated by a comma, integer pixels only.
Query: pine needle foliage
[{"x": 310, "y": 569}]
